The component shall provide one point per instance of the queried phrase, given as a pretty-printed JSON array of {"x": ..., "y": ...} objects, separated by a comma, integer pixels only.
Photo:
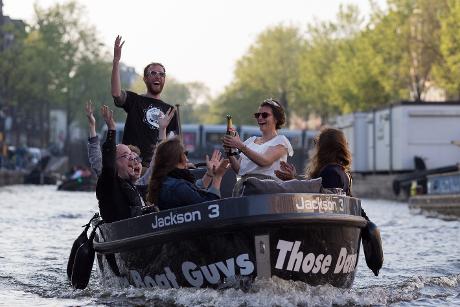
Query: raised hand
[
  {"x": 91, "y": 119},
  {"x": 164, "y": 121},
  {"x": 107, "y": 114},
  {"x": 117, "y": 48},
  {"x": 89, "y": 114},
  {"x": 220, "y": 170},
  {"x": 213, "y": 163},
  {"x": 287, "y": 171}
]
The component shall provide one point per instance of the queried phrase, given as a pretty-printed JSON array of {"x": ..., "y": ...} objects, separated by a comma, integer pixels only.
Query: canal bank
[
  {"x": 375, "y": 186},
  {"x": 10, "y": 177}
]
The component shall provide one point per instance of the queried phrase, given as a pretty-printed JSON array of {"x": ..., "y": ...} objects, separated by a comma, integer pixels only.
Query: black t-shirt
[
  {"x": 334, "y": 176},
  {"x": 141, "y": 126}
]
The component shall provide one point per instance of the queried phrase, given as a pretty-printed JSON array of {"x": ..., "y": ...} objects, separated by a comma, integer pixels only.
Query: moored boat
[
  {"x": 78, "y": 184},
  {"x": 443, "y": 195},
  {"x": 314, "y": 238}
]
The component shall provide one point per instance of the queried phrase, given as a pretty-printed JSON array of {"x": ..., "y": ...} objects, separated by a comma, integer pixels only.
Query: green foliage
[
  {"x": 354, "y": 63},
  {"x": 269, "y": 69},
  {"x": 58, "y": 63},
  {"x": 447, "y": 72}
]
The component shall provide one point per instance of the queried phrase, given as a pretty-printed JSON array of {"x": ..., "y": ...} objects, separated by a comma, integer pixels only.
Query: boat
[
  {"x": 79, "y": 184},
  {"x": 308, "y": 237},
  {"x": 442, "y": 197}
]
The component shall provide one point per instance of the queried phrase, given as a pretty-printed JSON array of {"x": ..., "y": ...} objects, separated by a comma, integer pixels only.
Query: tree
[
  {"x": 270, "y": 68},
  {"x": 76, "y": 55},
  {"x": 61, "y": 64},
  {"x": 447, "y": 71}
]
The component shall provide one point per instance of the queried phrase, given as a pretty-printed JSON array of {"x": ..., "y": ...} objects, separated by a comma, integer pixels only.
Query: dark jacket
[
  {"x": 118, "y": 198},
  {"x": 180, "y": 192},
  {"x": 334, "y": 176}
]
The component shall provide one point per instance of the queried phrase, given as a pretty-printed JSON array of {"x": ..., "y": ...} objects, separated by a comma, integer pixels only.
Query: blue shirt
[{"x": 180, "y": 192}]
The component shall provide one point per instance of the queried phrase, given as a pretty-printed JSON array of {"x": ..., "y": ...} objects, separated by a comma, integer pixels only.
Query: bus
[{"x": 200, "y": 140}]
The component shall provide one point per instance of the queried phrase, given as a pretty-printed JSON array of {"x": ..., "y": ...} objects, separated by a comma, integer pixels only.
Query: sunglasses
[
  {"x": 264, "y": 115},
  {"x": 156, "y": 73}
]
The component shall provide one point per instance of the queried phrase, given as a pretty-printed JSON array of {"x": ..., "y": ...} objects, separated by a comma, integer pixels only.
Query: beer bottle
[{"x": 232, "y": 132}]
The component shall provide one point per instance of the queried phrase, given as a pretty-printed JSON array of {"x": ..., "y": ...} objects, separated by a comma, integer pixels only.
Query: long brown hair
[
  {"x": 331, "y": 147},
  {"x": 167, "y": 155}
]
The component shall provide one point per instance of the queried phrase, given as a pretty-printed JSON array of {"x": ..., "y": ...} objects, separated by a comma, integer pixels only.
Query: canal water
[{"x": 38, "y": 225}]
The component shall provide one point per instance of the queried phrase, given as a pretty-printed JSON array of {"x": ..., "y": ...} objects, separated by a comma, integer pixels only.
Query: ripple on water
[{"x": 38, "y": 226}]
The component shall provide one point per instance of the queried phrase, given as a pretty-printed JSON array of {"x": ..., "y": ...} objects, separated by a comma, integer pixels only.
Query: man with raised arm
[
  {"x": 118, "y": 197},
  {"x": 143, "y": 111}
]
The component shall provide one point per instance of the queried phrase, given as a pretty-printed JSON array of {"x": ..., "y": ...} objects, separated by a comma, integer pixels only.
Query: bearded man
[{"x": 143, "y": 111}]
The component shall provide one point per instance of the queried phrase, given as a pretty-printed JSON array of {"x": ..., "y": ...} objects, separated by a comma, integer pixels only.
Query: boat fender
[
  {"x": 372, "y": 245},
  {"x": 83, "y": 264},
  {"x": 82, "y": 238}
]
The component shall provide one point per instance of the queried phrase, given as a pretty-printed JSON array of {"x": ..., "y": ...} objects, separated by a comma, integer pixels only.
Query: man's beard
[{"x": 154, "y": 90}]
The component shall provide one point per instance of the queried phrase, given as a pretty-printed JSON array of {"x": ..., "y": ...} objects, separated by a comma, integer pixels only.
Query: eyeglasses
[
  {"x": 131, "y": 158},
  {"x": 273, "y": 102},
  {"x": 264, "y": 115},
  {"x": 154, "y": 73}
]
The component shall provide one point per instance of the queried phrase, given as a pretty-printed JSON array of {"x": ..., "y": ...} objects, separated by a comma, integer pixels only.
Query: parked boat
[
  {"x": 443, "y": 195},
  {"x": 79, "y": 184},
  {"x": 313, "y": 238}
]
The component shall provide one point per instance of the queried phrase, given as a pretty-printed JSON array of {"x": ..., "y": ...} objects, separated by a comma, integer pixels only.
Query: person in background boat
[
  {"x": 261, "y": 156},
  {"x": 173, "y": 185},
  {"x": 95, "y": 154},
  {"x": 118, "y": 197},
  {"x": 80, "y": 172},
  {"x": 143, "y": 111},
  {"x": 331, "y": 160}
]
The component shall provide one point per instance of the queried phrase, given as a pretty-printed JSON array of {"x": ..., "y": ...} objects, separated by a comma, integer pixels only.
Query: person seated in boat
[
  {"x": 95, "y": 154},
  {"x": 173, "y": 185},
  {"x": 261, "y": 156},
  {"x": 81, "y": 171},
  {"x": 331, "y": 160},
  {"x": 117, "y": 195}
]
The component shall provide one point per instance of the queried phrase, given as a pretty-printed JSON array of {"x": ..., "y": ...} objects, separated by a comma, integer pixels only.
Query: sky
[{"x": 199, "y": 40}]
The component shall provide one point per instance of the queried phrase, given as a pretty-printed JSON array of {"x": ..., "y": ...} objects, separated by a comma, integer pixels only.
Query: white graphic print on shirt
[{"x": 151, "y": 117}]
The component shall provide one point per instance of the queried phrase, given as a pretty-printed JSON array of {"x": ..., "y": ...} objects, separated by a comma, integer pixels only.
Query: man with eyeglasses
[
  {"x": 115, "y": 190},
  {"x": 143, "y": 111},
  {"x": 95, "y": 153}
]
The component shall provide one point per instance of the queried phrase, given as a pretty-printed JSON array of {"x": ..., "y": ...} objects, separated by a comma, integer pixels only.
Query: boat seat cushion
[{"x": 255, "y": 186}]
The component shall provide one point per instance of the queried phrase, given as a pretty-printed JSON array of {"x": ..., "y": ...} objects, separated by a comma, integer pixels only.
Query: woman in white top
[{"x": 261, "y": 156}]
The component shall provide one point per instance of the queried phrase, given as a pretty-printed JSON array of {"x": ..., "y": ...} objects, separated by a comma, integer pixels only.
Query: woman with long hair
[
  {"x": 173, "y": 185},
  {"x": 261, "y": 156},
  {"x": 330, "y": 160}
]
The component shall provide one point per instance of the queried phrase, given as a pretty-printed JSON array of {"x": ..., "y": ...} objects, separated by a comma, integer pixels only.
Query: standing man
[{"x": 144, "y": 111}]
